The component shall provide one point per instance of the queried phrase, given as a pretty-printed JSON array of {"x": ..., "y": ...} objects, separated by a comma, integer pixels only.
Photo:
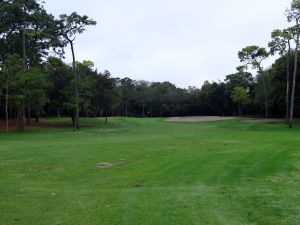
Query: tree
[
  {"x": 35, "y": 91},
  {"x": 254, "y": 55},
  {"x": 14, "y": 83},
  {"x": 59, "y": 76},
  {"x": 293, "y": 14},
  {"x": 241, "y": 97},
  {"x": 127, "y": 89},
  {"x": 241, "y": 78},
  {"x": 69, "y": 27},
  {"x": 104, "y": 94},
  {"x": 142, "y": 95},
  {"x": 281, "y": 44},
  {"x": 29, "y": 31},
  {"x": 212, "y": 96}
]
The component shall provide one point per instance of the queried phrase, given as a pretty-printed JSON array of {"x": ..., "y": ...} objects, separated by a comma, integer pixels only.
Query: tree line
[{"x": 36, "y": 82}]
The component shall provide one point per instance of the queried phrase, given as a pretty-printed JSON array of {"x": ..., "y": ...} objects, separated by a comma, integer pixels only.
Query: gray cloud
[{"x": 184, "y": 42}]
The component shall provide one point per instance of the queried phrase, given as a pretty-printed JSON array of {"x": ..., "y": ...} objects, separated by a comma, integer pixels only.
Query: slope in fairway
[{"x": 158, "y": 173}]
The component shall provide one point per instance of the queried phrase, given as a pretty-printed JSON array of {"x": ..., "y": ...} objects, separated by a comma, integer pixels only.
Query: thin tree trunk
[
  {"x": 105, "y": 117},
  {"x": 287, "y": 98},
  {"x": 143, "y": 110},
  {"x": 19, "y": 120},
  {"x": 294, "y": 81},
  {"x": 76, "y": 124},
  {"x": 6, "y": 105},
  {"x": 240, "y": 109},
  {"x": 37, "y": 114},
  {"x": 10, "y": 111},
  {"x": 265, "y": 92},
  {"x": 24, "y": 43},
  {"x": 21, "y": 116},
  {"x": 161, "y": 110},
  {"x": 126, "y": 109},
  {"x": 28, "y": 114}
]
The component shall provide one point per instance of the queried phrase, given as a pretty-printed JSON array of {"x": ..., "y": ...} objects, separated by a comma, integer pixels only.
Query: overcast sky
[{"x": 182, "y": 41}]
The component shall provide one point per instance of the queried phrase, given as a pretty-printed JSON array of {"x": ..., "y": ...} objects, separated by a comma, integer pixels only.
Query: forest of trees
[{"x": 35, "y": 81}]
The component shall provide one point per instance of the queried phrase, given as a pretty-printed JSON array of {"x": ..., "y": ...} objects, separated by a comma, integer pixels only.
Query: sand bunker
[{"x": 199, "y": 119}]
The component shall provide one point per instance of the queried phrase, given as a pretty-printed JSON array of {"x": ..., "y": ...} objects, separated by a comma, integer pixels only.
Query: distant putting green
[{"x": 151, "y": 172}]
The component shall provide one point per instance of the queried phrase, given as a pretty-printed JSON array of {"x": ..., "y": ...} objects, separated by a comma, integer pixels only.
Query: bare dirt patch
[
  {"x": 199, "y": 119},
  {"x": 43, "y": 123}
]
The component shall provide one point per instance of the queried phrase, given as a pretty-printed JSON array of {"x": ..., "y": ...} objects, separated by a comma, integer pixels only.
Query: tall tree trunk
[
  {"x": 161, "y": 110},
  {"x": 143, "y": 110},
  {"x": 18, "y": 121},
  {"x": 37, "y": 115},
  {"x": 240, "y": 109},
  {"x": 21, "y": 117},
  {"x": 105, "y": 117},
  {"x": 126, "y": 109},
  {"x": 10, "y": 111},
  {"x": 265, "y": 93},
  {"x": 76, "y": 124},
  {"x": 28, "y": 113},
  {"x": 6, "y": 104},
  {"x": 287, "y": 98},
  {"x": 294, "y": 81},
  {"x": 24, "y": 43}
]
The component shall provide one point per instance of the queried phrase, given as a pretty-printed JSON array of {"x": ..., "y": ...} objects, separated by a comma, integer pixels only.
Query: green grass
[{"x": 216, "y": 173}]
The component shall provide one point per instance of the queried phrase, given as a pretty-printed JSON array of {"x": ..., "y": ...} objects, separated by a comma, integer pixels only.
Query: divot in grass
[
  {"x": 104, "y": 165},
  {"x": 107, "y": 165}
]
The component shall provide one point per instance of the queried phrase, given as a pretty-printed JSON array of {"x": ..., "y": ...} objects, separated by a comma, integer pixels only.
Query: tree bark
[
  {"x": 6, "y": 104},
  {"x": 21, "y": 116},
  {"x": 265, "y": 92},
  {"x": 143, "y": 110},
  {"x": 24, "y": 42},
  {"x": 19, "y": 125},
  {"x": 240, "y": 109},
  {"x": 28, "y": 114},
  {"x": 76, "y": 124},
  {"x": 106, "y": 117},
  {"x": 294, "y": 81},
  {"x": 287, "y": 98},
  {"x": 37, "y": 115},
  {"x": 126, "y": 109}
]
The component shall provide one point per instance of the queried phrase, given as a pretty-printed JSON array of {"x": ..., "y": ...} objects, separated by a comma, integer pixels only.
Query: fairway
[{"x": 151, "y": 172}]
